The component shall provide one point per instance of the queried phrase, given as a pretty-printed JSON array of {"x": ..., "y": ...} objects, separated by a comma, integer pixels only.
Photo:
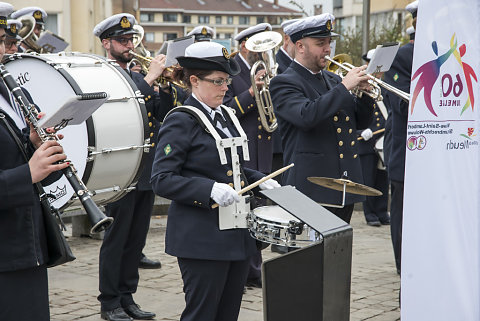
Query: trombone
[
  {"x": 341, "y": 62},
  {"x": 264, "y": 43}
]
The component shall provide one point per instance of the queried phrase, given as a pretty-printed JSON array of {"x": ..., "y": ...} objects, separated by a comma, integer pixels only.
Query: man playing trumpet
[
  {"x": 318, "y": 116},
  {"x": 122, "y": 245}
]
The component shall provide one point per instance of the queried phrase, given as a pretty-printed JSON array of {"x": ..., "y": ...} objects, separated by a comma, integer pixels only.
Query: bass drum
[{"x": 108, "y": 149}]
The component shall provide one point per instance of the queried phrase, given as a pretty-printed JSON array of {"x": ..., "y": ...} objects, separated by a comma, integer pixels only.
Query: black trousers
[
  {"x": 122, "y": 248},
  {"x": 375, "y": 208},
  {"x": 24, "y": 295},
  {"x": 396, "y": 217},
  {"x": 213, "y": 289}
]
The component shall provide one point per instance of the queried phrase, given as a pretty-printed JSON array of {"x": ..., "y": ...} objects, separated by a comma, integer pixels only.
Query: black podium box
[{"x": 313, "y": 282}]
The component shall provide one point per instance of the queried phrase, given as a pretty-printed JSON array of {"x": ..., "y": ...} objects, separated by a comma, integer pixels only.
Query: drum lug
[
  {"x": 295, "y": 228},
  {"x": 147, "y": 146}
]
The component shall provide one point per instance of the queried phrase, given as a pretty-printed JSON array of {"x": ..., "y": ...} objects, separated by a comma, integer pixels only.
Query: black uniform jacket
[
  {"x": 318, "y": 129},
  {"x": 259, "y": 141},
  {"x": 22, "y": 238},
  {"x": 157, "y": 104},
  {"x": 283, "y": 61},
  {"x": 186, "y": 166},
  {"x": 396, "y": 129}
]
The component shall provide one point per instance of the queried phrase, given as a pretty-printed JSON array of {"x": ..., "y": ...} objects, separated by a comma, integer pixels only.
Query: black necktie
[
  {"x": 319, "y": 76},
  {"x": 218, "y": 118}
]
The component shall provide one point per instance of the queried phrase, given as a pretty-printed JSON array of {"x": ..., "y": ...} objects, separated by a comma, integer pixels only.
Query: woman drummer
[{"x": 188, "y": 170}]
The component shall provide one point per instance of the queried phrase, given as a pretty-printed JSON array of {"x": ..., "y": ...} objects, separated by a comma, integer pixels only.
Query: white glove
[
  {"x": 269, "y": 184},
  {"x": 367, "y": 134},
  {"x": 223, "y": 194}
]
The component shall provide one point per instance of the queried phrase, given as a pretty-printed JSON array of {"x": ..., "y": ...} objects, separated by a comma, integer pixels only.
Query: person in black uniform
[
  {"x": 38, "y": 14},
  {"x": 318, "y": 116},
  {"x": 189, "y": 170},
  {"x": 123, "y": 242},
  {"x": 375, "y": 208},
  {"x": 202, "y": 33},
  {"x": 23, "y": 249},
  {"x": 398, "y": 76},
  {"x": 240, "y": 96},
  {"x": 12, "y": 40}
]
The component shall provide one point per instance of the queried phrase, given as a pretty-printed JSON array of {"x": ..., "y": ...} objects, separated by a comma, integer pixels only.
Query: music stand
[
  {"x": 382, "y": 58},
  {"x": 313, "y": 282}
]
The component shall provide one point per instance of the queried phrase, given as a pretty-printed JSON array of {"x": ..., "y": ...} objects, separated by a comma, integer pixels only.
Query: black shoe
[
  {"x": 385, "y": 221},
  {"x": 254, "y": 283},
  {"x": 117, "y": 314},
  {"x": 146, "y": 263},
  {"x": 374, "y": 223},
  {"x": 134, "y": 311}
]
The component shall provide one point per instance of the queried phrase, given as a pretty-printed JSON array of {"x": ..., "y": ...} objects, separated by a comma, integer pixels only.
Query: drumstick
[
  {"x": 260, "y": 181},
  {"x": 374, "y": 133}
]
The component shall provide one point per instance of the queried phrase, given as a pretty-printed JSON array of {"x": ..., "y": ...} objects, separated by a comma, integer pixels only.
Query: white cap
[
  {"x": 253, "y": 30},
  {"x": 5, "y": 10},
  {"x": 412, "y": 8},
  {"x": 116, "y": 25},
  {"x": 316, "y": 26},
  {"x": 287, "y": 23},
  {"x": 202, "y": 33},
  {"x": 410, "y": 30},
  {"x": 38, "y": 13}
]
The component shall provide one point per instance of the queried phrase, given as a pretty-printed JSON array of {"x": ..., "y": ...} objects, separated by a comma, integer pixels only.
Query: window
[
  {"x": 229, "y": 20},
  {"x": 146, "y": 17},
  {"x": 203, "y": 19},
  {"x": 169, "y": 36},
  {"x": 260, "y": 20},
  {"x": 337, "y": 4},
  {"x": 170, "y": 17},
  {"x": 52, "y": 23},
  {"x": 228, "y": 36},
  {"x": 243, "y": 20},
  {"x": 187, "y": 19},
  {"x": 218, "y": 20},
  {"x": 149, "y": 37}
]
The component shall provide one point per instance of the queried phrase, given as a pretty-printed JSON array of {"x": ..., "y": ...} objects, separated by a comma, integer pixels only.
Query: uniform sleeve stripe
[{"x": 239, "y": 106}]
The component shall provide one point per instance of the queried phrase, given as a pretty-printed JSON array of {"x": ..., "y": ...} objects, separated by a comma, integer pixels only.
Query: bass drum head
[{"x": 51, "y": 79}]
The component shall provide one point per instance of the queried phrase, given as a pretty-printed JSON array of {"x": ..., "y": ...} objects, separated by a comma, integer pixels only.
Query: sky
[{"x": 307, "y": 4}]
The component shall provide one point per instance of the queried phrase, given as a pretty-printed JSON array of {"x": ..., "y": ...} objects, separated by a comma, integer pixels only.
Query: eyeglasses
[
  {"x": 123, "y": 41},
  {"x": 9, "y": 44},
  {"x": 218, "y": 82}
]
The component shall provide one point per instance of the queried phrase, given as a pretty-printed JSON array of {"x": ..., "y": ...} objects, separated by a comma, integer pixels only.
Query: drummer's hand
[
  {"x": 367, "y": 134},
  {"x": 157, "y": 66},
  {"x": 223, "y": 194},
  {"x": 270, "y": 184}
]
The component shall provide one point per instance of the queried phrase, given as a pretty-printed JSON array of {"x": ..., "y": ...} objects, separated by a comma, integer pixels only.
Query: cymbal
[{"x": 350, "y": 187}]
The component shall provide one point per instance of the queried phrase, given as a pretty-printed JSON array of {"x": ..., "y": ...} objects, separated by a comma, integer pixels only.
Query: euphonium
[
  {"x": 264, "y": 43},
  {"x": 343, "y": 62},
  {"x": 29, "y": 38}
]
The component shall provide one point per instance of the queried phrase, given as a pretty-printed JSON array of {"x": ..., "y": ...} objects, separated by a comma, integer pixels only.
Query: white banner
[{"x": 441, "y": 248}]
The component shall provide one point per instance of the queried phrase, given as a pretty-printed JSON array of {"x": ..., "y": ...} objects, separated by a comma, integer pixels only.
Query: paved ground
[{"x": 74, "y": 286}]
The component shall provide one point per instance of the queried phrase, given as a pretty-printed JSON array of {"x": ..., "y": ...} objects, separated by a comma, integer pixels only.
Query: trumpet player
[
  {"x": 318, "y": 116},
  {"x": 122, "y": 245}
]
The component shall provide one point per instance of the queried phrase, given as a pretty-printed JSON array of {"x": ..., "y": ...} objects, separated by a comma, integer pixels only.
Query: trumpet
[
  {"x": 162, "y": 79},
  {"x": 265, "y": 43},
  {"x": 341, "y": 62}
]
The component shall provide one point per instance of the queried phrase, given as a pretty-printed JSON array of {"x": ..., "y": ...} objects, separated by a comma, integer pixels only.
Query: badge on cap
[
  {"x": 329, "y": 25},
  {"x": 37, "y": 15},
  {"x": 13, "y": 28},
  {"x": 125, "y": 23},
  {"x": 225, "y": 53},
  {"x": 204, "y": 31}
]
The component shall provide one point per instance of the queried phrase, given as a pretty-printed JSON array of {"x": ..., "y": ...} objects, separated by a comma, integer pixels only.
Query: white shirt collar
[
  {"x": 245, "y": 61},
  {"x": 313, "y": 73},
  {"x": 286, "y": 53}
]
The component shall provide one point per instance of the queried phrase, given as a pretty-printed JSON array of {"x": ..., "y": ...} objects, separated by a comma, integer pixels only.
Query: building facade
[{"x": 167, "y": 19}]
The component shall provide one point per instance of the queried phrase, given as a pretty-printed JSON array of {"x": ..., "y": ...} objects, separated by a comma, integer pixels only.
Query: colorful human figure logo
[{"x": 469, "y": 74}]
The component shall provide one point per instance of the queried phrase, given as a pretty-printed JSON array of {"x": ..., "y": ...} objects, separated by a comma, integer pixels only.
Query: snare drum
[
  {"x": 379, "y": 150},
  {"x": 272, "y": 224},
  {"x": 107, "y": 150}
]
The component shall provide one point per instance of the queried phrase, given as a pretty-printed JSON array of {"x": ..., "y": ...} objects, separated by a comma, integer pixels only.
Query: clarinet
[{"x": 99, "y": 220}]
